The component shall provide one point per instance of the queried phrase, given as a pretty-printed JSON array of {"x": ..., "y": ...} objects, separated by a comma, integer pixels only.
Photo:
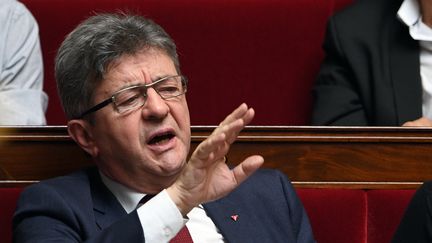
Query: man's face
[{"x": 146, "y": 148}]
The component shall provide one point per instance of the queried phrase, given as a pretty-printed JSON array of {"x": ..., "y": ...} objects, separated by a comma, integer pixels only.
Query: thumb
[{"x": 247, "y": 167}]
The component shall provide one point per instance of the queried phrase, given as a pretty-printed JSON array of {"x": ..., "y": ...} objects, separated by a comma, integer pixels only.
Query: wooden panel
[{"x": 348, "y": 157}]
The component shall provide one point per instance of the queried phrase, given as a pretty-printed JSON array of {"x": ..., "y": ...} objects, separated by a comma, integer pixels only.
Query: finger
[
  {"x": 208, "y": 146},
  {"x": 218, "y": 142},
  {"x": 407, "y": 124},
  {"x": 416, "y": 123},
  {"x": 243, "y": 113},
  {"x": 233, "y": 131},
  {"x": 247, "y": 168},
  {"x": 230, "y": 130},
  {"x": 421, "y": 122},
  {"x": 235, "y": 128},
  {"x": 236, "y": 114},
  {"x": 425, "y": 122},
  {"x": 250, "y": 114}
]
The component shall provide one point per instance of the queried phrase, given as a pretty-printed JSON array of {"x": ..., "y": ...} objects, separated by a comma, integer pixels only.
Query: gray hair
[{"x": 84, "y": 56}]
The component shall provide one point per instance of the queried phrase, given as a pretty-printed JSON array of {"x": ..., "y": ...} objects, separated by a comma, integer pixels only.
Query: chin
[{"x": 171, "y": 169}]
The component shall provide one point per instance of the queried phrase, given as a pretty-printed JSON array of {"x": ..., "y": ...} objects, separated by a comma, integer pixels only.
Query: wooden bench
[
  {"x": 331, "y": 157},
  {"x": 354, "y": 182}
]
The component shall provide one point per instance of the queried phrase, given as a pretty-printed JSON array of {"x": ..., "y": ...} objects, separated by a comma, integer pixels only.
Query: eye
[
  {"x": 169, "y": 87},
  {"x": 128, "y": 98}
]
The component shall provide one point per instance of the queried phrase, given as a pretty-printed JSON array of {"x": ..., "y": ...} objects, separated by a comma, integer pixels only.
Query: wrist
[{"x": 176, "y": 195}]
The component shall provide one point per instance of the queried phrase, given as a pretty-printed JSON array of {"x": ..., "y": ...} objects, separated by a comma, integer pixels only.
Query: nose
[{"x": 155, "y": 107}]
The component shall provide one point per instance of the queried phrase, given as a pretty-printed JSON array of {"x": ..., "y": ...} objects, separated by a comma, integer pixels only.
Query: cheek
[
  {"x": 115, "y": 134},
  {"x": 185, "y": 127},
  {"x": 180, "y": 112},
  {"x": 186, "y": 117}
]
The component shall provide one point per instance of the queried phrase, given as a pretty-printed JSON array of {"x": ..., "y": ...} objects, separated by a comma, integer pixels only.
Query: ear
[{"x": 81, "y": 133}]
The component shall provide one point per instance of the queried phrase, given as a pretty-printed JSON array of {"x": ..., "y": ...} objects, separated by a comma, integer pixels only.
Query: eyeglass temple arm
[{"x": 97, "y": 107}]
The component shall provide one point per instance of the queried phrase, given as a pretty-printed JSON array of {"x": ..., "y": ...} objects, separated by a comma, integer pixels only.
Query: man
[
  {"x": 22, "y": 100},
  {"x": 377, "y": 69},
  {"x": 121, "y": 87}
]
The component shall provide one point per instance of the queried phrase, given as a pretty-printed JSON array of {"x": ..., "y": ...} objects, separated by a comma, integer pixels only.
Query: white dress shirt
[
  {"x": 409, "y": 13},
  {"x": 160, "y": 218},
  {"x": 22, "y": 101}
]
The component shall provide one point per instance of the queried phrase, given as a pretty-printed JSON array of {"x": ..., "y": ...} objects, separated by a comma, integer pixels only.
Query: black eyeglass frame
[{"x": 111, "y": 99}]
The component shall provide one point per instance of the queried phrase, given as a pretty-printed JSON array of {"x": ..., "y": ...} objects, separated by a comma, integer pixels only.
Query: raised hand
[{"x": 206, "y": 177}]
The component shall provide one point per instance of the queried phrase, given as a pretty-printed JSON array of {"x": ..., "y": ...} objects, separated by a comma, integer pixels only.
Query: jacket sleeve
[
  {"x": 335, "y": 93},
  {"x": 298, "y": 216}
]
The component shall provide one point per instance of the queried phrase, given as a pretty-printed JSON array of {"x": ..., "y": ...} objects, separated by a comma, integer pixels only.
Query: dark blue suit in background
[{"x": 78, "y": 208}]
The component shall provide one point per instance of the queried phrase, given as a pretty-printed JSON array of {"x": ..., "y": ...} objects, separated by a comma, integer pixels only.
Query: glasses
[{"x": 134, "y": 97}]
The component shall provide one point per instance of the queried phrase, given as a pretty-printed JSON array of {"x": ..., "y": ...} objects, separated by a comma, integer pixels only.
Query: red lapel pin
[{"x": 234, "y": 217}]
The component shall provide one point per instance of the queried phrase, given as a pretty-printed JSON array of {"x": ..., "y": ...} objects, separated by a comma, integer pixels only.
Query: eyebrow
[{"x": 139, "y": 83}]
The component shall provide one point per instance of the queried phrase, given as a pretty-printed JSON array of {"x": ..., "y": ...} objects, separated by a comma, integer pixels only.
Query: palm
[{"x": 207, "y": 177}]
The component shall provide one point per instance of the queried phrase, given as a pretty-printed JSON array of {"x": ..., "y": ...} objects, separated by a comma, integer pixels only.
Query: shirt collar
[
  {"x": 127, "y": 197},
  {"x": 409, "y": 12}
]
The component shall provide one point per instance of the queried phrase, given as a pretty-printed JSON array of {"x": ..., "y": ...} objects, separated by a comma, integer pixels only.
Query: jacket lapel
[
  {"x": 405, "y": 71},
  {"x": 106, "y": 208}
]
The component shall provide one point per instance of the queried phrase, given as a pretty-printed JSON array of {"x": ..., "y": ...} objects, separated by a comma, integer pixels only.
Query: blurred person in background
[
  {"x": 378, "y": 66},
  {"x": 22, "y": 99}
]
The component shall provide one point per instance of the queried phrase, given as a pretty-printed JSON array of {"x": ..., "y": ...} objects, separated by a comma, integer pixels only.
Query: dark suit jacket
[
  {"x": 78, "y": 208},
  {"x": 371, "y": 71},
  {"x": 416, "y": 224}
]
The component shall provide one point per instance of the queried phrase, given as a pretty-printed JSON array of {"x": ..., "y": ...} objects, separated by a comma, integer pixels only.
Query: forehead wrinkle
[
  {"x": 133, "y": 69},
  {"x": 123, "y": 80},
  {"x": 146, "y": 77}
]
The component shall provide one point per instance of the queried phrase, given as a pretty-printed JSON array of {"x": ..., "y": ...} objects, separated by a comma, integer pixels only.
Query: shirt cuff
[{"x": 160, "y": 218}]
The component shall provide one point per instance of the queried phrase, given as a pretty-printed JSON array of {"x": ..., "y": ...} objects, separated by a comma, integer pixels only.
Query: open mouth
[{"x": 161, "y": 138}]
